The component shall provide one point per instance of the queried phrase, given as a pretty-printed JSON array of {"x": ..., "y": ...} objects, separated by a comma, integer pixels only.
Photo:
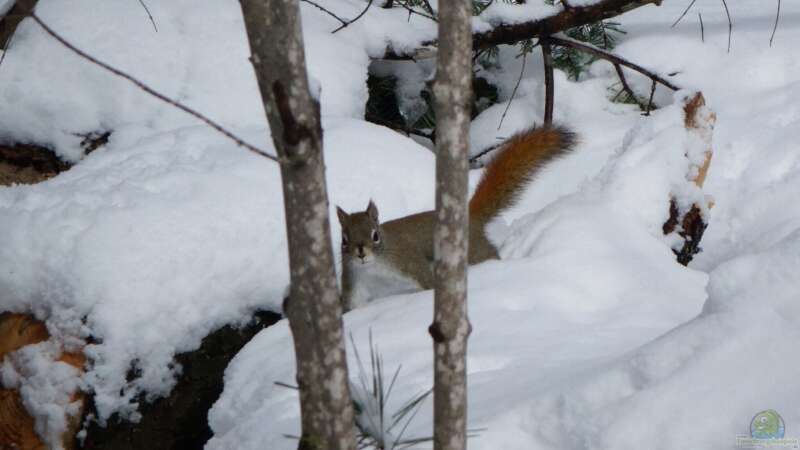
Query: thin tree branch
[
  {"x": 322, "y": 8},
  {"x": 239, "y": 141},
  {"x": 549, "y": 88},
  {"x": 683, "y": 14},
  {"x": 414, "y": 11},
  {"x": 702, "y": 29},
  {"x": 514, "y": 92},
  {"x": 775, "y": 27},
  {"x": 626, "y": 87},
  {"x": 428, "y": 7},
  {"x": 730, "y": 24},
  {"x": 473, "y": 161},
  {"x": 147, "y": 10},
  {"x": 612, "y": 58},
  {"x": 650, "y": 101},
  {"x": 344, "y": 25}
]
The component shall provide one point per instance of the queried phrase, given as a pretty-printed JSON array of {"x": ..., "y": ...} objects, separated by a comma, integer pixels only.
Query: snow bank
[
  {"x": 171, "y": 231},
  {"x": 587, "y": 334},
  {"x": 587, "y": 278}
]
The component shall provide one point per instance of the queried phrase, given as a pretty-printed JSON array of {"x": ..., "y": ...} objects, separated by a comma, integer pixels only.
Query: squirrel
[{"x": 380, "y": 259}]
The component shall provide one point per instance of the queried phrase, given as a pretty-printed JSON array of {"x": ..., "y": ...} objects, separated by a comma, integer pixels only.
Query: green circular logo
[{"x": 767, "y": 425}]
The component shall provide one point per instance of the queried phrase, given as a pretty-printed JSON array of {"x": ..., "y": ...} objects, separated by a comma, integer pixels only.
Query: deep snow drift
[{"x": 587, "y": 334}]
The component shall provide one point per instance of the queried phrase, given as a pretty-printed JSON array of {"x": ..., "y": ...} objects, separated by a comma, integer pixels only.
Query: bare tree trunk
[
  {"x": 313, "y": 307},
  {"x": 451, "y": 327}
]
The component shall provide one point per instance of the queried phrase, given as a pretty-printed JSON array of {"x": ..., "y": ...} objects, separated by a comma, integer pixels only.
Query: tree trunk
[
  {"x": 313, "y": 307},
  {"x": 12, "y": 19},
  {"x": 451, "y": 327}
]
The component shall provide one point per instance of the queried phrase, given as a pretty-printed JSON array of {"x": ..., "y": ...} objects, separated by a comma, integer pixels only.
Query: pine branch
[
  {"x": 614, "y": 59},
  {"x": 568, "y": 18}
]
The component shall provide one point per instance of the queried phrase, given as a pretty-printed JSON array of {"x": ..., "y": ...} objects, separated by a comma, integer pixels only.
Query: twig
[
  {"x": 549, "y": 89},
  {"x": 514, "y": 92},
  {"x": 626, "y": 87},
  {"x": 6, "y": 45},
  {"x": 147, "y": 10},
  {"x": 775, "y": 27},
  {"x": 730, "y": 24},
  {"x": 683, "y": 14},
  {"x": 610, "y": 57},
  {"x": 428, "y": 7},
  {"x": 152, "y": 92},
  {"x": 322, "y": 8},
  {"x": 650, "y": 101},
  {"x": 702, "y": 29},
  {"x": 414, "y": 11},
  {"x": 344, "y": 25},
  {"x": 474, "y": 159}
]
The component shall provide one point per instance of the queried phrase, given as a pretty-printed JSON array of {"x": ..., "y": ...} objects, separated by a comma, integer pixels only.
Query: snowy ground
[{"x": 586, "y": 335}]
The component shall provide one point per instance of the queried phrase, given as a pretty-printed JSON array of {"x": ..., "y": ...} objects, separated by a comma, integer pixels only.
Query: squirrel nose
[{"x": 361, "y": 251}]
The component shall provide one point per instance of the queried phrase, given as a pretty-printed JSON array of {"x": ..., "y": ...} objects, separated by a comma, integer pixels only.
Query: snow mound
[{"x": 583, "y": 280}]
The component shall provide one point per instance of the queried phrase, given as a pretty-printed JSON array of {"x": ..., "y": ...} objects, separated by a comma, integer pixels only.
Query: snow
[
  {"x": 45, "y": 386},
  {"x": 586, "y": 333}
]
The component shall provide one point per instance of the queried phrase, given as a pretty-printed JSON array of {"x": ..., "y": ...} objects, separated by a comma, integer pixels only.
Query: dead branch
[
  {"x": 683, "y": 14},
  {"x": 730, "y": 24},
  {"x": 411, "y": 11},
  {"x": 549, "y": 88},
  {"x": 219, "y": 128},
  {"x": 626, "y": 87},
  {"x": 514, "y": 92},
  {"x": 612, "y": 58},
  {"x": 775, "y": 27},
  {"x": 428, "y": 8},
  {"x": 650, "y": 100},
  {"x": 322, "y": 8},
  {"x": 345, "y": 25},
  {"x": 702, "y": 29},
  {"x": 147, "y": 10}
]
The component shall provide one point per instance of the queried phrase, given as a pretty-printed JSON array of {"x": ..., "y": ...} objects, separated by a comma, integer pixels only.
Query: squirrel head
[{"x": 362, "y": 237}]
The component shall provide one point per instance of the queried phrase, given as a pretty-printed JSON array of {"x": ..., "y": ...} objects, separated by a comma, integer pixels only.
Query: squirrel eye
[
  {"x": 345, "y": 241},
  {"x": 375, "y": 237}
]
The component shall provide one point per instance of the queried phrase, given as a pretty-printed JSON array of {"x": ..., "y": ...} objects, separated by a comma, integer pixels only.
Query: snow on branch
[{"x": 570, "y": 17}]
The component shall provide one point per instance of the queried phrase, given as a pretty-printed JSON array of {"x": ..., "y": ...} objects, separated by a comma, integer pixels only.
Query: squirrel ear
[
  {"x": 372, "y": 211},
  {"x": 344, "y": 219}
]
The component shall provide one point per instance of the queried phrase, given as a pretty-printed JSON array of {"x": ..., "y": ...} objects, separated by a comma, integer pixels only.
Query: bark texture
[
  {"x": 313, "y": 307},
  {"x": 12, "y": 19},
  {"x": 573, "y": 16},
  {"x": 451, "y": 327}
]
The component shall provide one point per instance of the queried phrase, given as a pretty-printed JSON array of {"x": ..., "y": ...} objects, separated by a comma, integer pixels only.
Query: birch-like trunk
[
  {"x": 451, "y": 327},
  {"x": 313, "y": 307}
]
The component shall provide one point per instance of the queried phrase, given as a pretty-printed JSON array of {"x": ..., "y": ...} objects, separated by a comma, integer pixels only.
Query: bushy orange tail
[{"x": 514, "y": 166}]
